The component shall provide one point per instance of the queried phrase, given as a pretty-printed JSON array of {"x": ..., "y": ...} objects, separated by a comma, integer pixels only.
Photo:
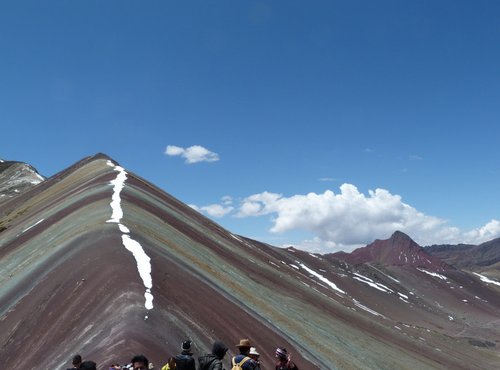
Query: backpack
[
  {"x": 239, "y": 365},
  {"x": 170, "y": 365}
]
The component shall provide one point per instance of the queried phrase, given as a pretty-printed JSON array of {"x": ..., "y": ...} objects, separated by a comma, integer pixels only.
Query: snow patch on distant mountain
[
  {"x": 322, "y": 278},
  {"x": 487, "y": 280},
  {"x": 363, "y": 307},
  {"x": 442, "y": 277},
  {"x": 371, "y": 283}
]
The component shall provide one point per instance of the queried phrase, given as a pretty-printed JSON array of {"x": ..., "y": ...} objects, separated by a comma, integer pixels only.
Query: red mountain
[{"x": 398, "y": 250}]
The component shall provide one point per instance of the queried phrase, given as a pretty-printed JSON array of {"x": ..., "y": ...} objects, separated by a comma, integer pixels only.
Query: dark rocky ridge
[
  {"x": 68, "y": 285},
  {"x": 484, "y": 258}
]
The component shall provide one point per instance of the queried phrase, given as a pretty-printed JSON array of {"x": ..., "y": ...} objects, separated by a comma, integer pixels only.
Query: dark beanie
[
  {"x": 219, "y": 349},
  {"x": 186, "y": 346}
]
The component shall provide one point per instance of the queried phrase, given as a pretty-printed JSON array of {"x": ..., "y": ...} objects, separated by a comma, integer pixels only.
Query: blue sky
[{"x": 322, "y": 124}]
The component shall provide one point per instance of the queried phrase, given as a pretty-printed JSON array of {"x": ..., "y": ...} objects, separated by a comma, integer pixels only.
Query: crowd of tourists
[{"x": 247, "y": 359}]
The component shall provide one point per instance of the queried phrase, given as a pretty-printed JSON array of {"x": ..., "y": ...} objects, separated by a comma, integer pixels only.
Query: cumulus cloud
[
  {"x": 192, "y": 154},
  {"x": 227, "y": 200},
  {"x": 216, "y": 210},
  {"x": 483, "y": 234},
  {"x": 350, "y": 219}
]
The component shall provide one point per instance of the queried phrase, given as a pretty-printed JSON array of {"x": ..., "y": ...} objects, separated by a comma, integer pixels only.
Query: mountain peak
[
  {"x": 400, "y": 235},
  {"x": 398, "y": 250},
  {"x": 16, "y": 178}
]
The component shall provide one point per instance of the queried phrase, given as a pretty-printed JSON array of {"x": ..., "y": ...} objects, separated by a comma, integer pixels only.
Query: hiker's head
[
  {"x": 253, "y": 353},
  {"x": 186, "y": 346},
  {"x": 77, "y": 360},
  {"x": 281, "y": 353},
  {"x": 244, "y": 346},
  {"x": 140, "y": 362},
  {"x": 219, "y": 349}
]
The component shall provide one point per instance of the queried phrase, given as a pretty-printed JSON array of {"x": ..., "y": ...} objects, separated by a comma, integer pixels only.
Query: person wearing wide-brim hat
[
  {"x": 243, "y": 359},
  {"x": 254, "y": 355}
]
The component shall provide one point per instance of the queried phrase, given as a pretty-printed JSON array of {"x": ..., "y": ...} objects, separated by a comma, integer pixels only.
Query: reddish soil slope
[{"x": 100, "y": 262}]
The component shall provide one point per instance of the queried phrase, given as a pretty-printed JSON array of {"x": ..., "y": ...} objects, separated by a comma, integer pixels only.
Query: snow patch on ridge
[
  {"x": 433, "y": 274},
  {"x": 372, "y": 283},
  {"x": 487, "y": 280},
  {"x": 236, "y": 237},
  {"x": 373, "y": 312},
  {"x": 142, "y": 259},
  {"x": 322, "y": 278},
  {"x": 29, "y": 227}
]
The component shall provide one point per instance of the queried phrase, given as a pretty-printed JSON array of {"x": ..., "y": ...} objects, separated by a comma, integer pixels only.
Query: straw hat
[{"x": 244, "y": 343}]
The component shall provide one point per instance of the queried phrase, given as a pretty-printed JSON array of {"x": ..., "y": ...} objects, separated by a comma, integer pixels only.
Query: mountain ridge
[
  {"x": 484, "y": 258},
  {"x": 69, "y": 284},
  {"x": 17, "y": 177}
]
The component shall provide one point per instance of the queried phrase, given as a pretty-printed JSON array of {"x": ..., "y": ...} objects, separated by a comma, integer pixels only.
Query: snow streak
[
  {"x": 487, "y": 280},
  {"x": 29, "y": 227},
  {"x": 442, "y": 277},
  {"x": 372, "y": 283},
  {"x": 363, "y": 307},
  {"x": 142, "y": 259},
  {"x": 322, "y": 278}
]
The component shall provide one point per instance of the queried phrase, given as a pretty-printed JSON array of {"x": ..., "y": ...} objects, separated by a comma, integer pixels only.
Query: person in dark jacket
[
  {"x": 284, "y": 362},
  {"x": 185, "y": 360},
  {"x": 88, "y": 365},
  {"x": 213, "y": 361}
]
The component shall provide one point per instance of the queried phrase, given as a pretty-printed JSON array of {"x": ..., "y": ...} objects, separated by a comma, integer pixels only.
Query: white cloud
[
  {"x": 483, "y": 234},
  {"x": 216, "y": 210},
  {"x": 213, "y": 210},
  {"x": 351, "y": 219},
  {"x": 193, "y": 154},
  {"x": 415, "y": 157},
  {"x": 227, "y": 200},
  {"x": 173, "y": 150},
  {"x": 259, "y": 204}
]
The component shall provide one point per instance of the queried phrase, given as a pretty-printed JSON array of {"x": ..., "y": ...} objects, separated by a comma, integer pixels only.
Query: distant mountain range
[
  {"x": 96, "y": 260},
  {"x": 483, "y": 258}
]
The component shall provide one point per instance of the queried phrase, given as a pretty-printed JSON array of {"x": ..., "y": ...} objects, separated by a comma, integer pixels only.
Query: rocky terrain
[
  {"x": 96, "y": 260},
  {"x": 16, "y": 178}
]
